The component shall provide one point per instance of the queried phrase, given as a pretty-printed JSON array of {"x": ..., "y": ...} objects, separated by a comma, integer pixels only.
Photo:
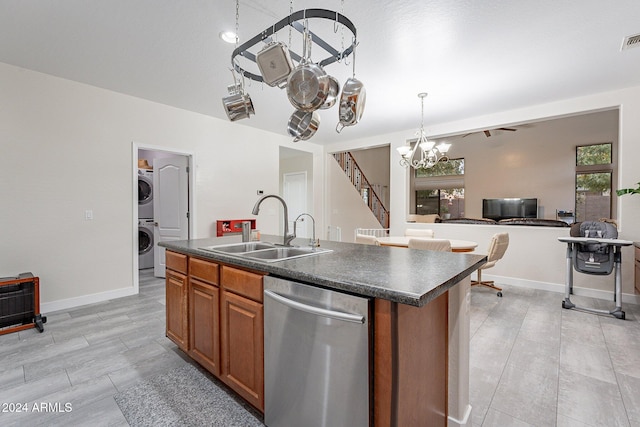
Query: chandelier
[{"x": 430, "y": 153}]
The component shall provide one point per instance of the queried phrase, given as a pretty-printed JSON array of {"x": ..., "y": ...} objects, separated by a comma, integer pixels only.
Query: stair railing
[{"x": 350, "y": 167}]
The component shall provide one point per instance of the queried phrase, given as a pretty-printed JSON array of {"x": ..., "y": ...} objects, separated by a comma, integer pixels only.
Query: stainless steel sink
[
  {"x": 284, "y": 253},
  {"x": 236, "y": 248},
  {"x": 265, "y": 251}
]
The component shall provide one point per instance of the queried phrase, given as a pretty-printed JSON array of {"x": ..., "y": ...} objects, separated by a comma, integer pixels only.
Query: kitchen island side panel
[{"x": 410, "y": 363}]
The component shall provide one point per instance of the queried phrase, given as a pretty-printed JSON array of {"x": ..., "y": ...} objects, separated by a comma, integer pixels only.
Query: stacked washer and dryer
[{"x": 145, "y": 218}]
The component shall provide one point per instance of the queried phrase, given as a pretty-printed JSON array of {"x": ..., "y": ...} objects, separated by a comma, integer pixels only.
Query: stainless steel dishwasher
[{"x": 316, "y": 356}]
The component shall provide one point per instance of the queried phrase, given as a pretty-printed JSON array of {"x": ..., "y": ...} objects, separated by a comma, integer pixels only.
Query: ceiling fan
[{"x": 487, "y": 132}]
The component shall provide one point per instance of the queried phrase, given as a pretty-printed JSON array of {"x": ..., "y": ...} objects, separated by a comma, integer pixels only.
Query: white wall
[
  {"x": 374, "y": 163},
  {"x": 628, "y": 207},
  {"x": 347, "y": 209},
  {"x": 536, "y": 259},
  {"x": 67, "y": 147}
]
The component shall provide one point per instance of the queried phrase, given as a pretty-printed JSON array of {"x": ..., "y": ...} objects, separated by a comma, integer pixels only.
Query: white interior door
[
  {"x": 170, "y": 205},
  {"x": 294, "y": 192}
]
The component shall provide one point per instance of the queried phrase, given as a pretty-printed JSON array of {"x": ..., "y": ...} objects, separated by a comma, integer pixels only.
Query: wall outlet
[{"x": 88, "y": 214}]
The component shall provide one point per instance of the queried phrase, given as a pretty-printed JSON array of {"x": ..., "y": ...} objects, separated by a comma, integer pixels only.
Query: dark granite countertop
[{"x": 411, "y": 277}]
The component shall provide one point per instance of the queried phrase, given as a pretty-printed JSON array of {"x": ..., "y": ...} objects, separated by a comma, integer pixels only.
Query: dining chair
[
  {"x": 430, "y": 244},
  {"x": 497, "y": 247},
  {"x": 367, "y": 240},
  {"x": 418, "y": 232}
]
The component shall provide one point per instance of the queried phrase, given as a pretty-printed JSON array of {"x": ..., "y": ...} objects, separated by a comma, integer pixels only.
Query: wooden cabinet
[
  {"x": 637, "y": 274},
  {"x": 204, "y": 319},
  {"x": 242, "y": 335},
  {"x": 177, "y": 308},
  {"x": 177, "y": 297},
  {"x": 215, "y": 315}
]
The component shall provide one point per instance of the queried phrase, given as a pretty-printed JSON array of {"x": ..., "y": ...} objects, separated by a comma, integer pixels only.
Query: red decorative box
[{"x": 232, "y": 226}]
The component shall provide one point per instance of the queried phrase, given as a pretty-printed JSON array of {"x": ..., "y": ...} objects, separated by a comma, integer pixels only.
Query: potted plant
[{"x": 628, "y": 190}]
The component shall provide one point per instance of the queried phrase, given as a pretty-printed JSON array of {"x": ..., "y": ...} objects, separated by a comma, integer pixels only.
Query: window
[
  {"x": 594, "y": 177},
  {"x": 440, "y": 189}
]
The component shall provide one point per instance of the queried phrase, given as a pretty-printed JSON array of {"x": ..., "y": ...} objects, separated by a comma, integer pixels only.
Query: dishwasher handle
[{"x": 337, "y": 315}]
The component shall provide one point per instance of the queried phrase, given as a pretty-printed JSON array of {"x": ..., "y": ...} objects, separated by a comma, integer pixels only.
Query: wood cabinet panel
[
  {"x": 177, "y": 308},
  {"x": 176, "y": 262},
  {"x": 242, "y": 282},
  {"x": 204, "y": 325},
  {"x": 410, "y": 369},
  {"x": 242, "y": 345},
  {"x": 205, "y": 271}
]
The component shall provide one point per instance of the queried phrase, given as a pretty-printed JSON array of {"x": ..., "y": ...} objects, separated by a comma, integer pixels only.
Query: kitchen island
[{"x": 419, "y": 319}]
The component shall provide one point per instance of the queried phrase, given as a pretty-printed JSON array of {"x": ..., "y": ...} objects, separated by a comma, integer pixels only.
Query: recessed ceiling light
[{"x": 228, "y": 36}]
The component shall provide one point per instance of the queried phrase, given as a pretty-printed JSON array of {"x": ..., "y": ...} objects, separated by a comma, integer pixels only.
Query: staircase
[{"x": 362, "y": 185}]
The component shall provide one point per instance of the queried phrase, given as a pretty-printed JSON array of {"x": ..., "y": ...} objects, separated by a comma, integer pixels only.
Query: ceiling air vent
[{"x": 631, "y": 41}]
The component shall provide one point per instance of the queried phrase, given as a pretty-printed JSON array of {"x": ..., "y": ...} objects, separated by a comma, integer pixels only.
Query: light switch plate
[{"x": 88, "y": 214}]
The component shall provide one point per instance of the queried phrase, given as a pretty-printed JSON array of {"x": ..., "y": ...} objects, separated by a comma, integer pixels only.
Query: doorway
[
  {"x": 294, "y": 191},
  {"x": 296, "y": 187},
  {"x": 163, "y": 207}
]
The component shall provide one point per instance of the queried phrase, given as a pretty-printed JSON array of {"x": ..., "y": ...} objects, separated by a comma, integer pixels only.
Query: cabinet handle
[{"x": 337, "y": 315}]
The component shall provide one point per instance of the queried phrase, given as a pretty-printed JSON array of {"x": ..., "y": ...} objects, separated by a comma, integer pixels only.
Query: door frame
[{"x": 135, "y": 146}]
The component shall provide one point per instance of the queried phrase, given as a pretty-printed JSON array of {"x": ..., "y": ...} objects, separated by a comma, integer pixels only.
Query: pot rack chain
[
  {"x": 237, "y": 23},
  {"x": 292, "y": 21},
  {"x": 290, "y": 13}
]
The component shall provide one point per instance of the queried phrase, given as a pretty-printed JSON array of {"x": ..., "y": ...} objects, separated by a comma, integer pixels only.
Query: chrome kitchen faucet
[
  {"x": 287, "y": 238},
  {"x": 312, "y": 242}
]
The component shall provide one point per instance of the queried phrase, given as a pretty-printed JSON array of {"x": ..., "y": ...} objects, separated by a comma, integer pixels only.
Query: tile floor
[{"x": 532, "y": 363}]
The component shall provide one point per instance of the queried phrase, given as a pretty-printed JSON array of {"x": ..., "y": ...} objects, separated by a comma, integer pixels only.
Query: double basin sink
[{"x": 265, "y": 251}]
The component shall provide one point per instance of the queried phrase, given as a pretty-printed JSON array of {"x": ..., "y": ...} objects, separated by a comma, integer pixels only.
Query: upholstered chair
[
  {"x": 497, "y": 248},
  {"x": 430, "y": 244}
]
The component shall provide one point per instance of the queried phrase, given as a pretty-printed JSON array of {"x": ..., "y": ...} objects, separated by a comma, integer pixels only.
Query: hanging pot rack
[{"x": 293, "y": 20}]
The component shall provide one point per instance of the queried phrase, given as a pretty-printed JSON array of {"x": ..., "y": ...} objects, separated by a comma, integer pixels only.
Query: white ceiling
[{"x": 472, "y": 57}]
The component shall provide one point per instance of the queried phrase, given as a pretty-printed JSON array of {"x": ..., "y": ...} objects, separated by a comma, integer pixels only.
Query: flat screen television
[{"x": 498, "y": 209}]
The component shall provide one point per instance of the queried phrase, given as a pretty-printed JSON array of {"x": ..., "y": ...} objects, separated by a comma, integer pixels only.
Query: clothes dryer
[
  {"x": 145, "y": 193},
  {"x": 146, "y": 242}
]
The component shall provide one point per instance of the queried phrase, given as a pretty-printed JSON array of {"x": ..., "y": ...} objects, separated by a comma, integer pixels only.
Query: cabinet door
[
  {"x": 177, "y": 313},
  {"x": 204, "y": 325},
  {"x": 242, "y": 347}
]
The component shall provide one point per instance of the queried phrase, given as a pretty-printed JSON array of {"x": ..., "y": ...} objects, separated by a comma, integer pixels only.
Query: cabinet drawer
[
  {"x": 637, "y": 254},
  {"x": 206, "y": 271},
  {"x": 242, "y": 282},
  {"x": 176, "y": 261}
]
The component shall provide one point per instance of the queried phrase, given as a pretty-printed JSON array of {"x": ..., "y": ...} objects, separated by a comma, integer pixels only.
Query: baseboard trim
[
  {"x": 465, "y": 422},
  {"x": 66, "y": 304},
  {"x": 560, "y": 288}
]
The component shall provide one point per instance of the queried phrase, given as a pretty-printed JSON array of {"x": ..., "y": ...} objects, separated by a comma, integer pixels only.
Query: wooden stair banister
[{"x": 350, "y": 167}]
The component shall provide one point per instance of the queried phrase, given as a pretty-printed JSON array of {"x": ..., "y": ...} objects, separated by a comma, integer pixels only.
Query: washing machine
[
  {"x": 145, "y": 193},
  {"x": 145, "y": 243}
]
